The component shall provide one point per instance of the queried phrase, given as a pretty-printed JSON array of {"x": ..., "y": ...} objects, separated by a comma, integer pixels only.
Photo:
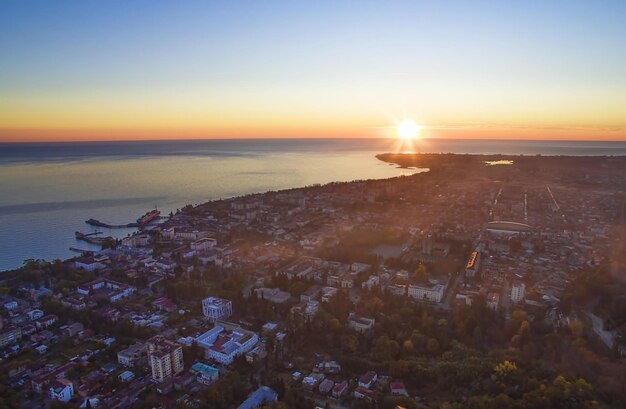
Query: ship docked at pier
[{"x": 148, "y": 217}]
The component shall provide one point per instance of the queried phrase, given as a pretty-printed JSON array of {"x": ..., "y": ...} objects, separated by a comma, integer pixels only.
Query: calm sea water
[{"x": 48, "y": 190}]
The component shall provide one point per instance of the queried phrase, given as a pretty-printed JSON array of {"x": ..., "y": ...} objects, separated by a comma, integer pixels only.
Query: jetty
[
  {"x": 98, "y": 223},
  {"x": 89, "y": 238}
]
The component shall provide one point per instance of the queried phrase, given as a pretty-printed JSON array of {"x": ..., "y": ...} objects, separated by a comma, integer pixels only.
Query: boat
[{"x": 148, "y": 217}]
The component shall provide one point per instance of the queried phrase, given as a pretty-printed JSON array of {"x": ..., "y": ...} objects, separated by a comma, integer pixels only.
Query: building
[
  {"x": 225, "y": 341},
  {"x": 397, "y": 388},
  {"x": 368, "y": 380},
  {"x": 396, "y": 289},
  {"x": 371, "y": 282},
  {"x": 10, "y": 335},
  {"x": 427, "y": 244},
  {"x": 472, "y": 264},
  {"x": 359, "y": 323},
  {"x": 91, "y": 263},
  {"x": 205, "y": 374},
  {"x": 432, "y": 294},
  {"x": 493, "y": 300},
  {"x": 311, "y": 294},
  {"x": 126, "y": 376},
  {"x": 164, "y": 357},
  {"x": 62, "y": 390},
  {"x": 259, "y": 397},
  {"x": 203, "y": 244},
  {"x": 306, "y": 310},
  {"x": 216, "y": 308},
  {"x": 326, "y": 386},
  {"x": 328, "y": 293},
  {"x": 133, "y": 355},
  {"x": 517, "y": 292},
  {"x": 340, "y": 389},
  {"x": 113, "y": 290},
  {"x": 275, "y": 295},
  {"x": 257, "y": 353}
]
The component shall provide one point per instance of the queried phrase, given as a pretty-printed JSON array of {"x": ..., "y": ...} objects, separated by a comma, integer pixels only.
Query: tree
[{"x": 385, "y": 348}]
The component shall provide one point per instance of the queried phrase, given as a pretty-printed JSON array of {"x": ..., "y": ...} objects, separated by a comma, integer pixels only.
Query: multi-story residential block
[
  {"x": 164, "y": 357},
  {"x": 216, "y": 308},
  {"x": 517, "y": 292}
]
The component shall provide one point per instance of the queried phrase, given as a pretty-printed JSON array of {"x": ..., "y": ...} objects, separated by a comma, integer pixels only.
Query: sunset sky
[{"x": 87, "y": 70}]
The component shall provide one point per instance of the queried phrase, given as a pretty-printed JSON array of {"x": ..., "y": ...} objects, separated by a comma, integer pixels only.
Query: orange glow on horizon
[{"x": 293, "y": 132}]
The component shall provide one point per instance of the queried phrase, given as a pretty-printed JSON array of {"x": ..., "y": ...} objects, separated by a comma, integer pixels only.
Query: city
[{"x": 446, "y": 287}]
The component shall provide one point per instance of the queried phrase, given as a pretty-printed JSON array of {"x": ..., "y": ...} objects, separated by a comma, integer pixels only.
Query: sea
[{"x": 48, "y": 190}]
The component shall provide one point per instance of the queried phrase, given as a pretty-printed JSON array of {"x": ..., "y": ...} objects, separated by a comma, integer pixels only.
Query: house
[
  {"x": 340, "y": 389},
  {"x": 34, "y": 314},
  {"x": 397, "y": 388},
  {"x": 10, "y": 335},
  {"x": 72, "y": 329},
  {"x": 183, "y": 380},
  {"x": 368, "y": 379},
  {"x": 164, "y": 304},
  {"x": 259, "y": 397},
  {"x": 132, "y": 356},
  {"x": 62, "y": 390},
  {"x": 38, "y": 382},
  {"x": 371, "y": 282},
  {"x": 326, "y": 386},
  {"x": 45, "y": 322},
  {"x": 311, "y": 381},
  {"x": 205, "y": 374},
  {"x": 329, "y": 367},
  {"x": 73, "y": 303},
  {"x": 364, "y": 393},
  {"x": 346, "y": 281},
  {"x": 328, "y": 293},
  {"x": 274, "y": 295},
  {"x": 257, "y": 353},
  {"x": 126, "y": 376},
  {"x": 311, "y": 294}
]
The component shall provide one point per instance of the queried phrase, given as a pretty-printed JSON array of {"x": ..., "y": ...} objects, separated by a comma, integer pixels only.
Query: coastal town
[{"x": 346, "y": 295}]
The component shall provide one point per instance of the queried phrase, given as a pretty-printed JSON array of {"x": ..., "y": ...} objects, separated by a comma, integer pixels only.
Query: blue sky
[{"x": 348, "y": 64}]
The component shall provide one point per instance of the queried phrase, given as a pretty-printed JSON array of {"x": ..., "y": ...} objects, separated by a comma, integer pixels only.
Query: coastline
[{"x": 438, "y": 165}]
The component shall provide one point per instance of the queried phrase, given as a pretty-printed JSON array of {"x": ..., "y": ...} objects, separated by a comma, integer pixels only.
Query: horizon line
[{"x": 89, "y": 141}]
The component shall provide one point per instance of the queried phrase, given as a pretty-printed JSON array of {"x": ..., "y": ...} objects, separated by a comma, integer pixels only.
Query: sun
[{"x": 408, "y": 129}]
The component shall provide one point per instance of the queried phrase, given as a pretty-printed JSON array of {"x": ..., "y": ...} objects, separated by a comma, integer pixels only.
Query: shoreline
[{"x": 438, "y": 164}]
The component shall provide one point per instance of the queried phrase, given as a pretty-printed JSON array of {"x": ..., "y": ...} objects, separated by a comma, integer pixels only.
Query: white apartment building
[
  {"x": 517, "y": 292},
  {"x": 432, "y": 294},
  {"x": 62, "y": 390}
]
